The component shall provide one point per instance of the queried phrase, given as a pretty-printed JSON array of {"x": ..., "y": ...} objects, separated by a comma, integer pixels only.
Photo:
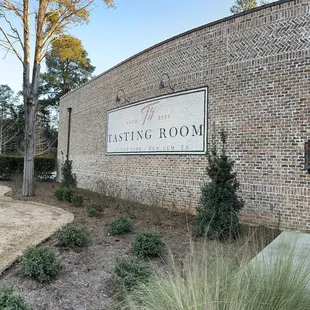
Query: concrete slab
[
  {"x": 289, "y": 246},
  {"x": 25, "y": 223},
  {"x": 286, "y": 243}
]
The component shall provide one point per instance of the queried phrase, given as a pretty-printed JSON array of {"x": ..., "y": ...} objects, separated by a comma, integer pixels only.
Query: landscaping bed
[{"x": 85, "y": 280}]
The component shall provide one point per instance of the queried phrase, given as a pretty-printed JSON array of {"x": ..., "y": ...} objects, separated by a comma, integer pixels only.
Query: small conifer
[
  {"x": 68, "y": 177},
  {"x": 219, "y": 204}
]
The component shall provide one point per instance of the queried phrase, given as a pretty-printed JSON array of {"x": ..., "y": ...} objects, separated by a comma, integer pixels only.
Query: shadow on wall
[{"x": 128, "y": 197}]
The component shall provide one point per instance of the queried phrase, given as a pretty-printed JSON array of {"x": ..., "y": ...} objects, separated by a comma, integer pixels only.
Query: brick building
[{"x": 256, "y": 67}]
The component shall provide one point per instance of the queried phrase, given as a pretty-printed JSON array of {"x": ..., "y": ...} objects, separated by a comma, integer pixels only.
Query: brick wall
[{"x": 257, "y": 68}]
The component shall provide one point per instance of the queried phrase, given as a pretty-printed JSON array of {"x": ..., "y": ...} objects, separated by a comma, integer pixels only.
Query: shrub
[
  {"x": 11, "y": 301},
  {"x": 218, "y": 207},
  {"x": 77, "y": 199},
  {"x": 92, "y": 210},
  {"x": 68, "y": 177},
  {"x": 59, "y": 193},
  {"x": 72, "y": 236},
  {"x": 41, "y": 263},
  {"x": 147, "y": 245},
  {"x": 45, "y": 167},
  {"x": 14, "y": 165},
  {"x": 128, "y": 273},
  {"x": 67, "y": 193},
  {"x": 121, "y": 225}
]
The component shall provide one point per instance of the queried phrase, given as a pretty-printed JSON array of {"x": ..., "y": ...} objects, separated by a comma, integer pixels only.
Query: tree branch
[
  {"x": 8, "y": 5},
  {"x": 13, "y": 29},
  {"x": 11, "y": 47},
  {"x": 62, "y": 21}
]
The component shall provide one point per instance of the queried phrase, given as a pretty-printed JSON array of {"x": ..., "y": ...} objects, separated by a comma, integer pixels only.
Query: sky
[{"x": 113, "y": 35}]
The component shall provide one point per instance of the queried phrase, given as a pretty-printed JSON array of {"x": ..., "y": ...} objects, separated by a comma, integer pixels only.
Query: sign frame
[{"x": 174, "y": 94}]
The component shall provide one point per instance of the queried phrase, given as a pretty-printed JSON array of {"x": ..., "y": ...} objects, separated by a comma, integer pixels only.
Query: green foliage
[
  {"x": 128, "y": 274},
  {"x": 40, "y": 263},
  {"x": 72, "y": 236},
  {"x": 14, "y": 165},
  {"x": 68, "y": 177},
  {"x": 77, "y": 199},
  {"x": 10, "y": 166},
  {"x": 64, "y": 193},
  {"x": 244, "y": 5},
  {"x": 92, "y": 210},
  {"x": 44, "y": 167},
  {"x": 218, "y": 207},
  {"x": 67, "y": 67},
  {"x": 222, "y": 278},
  {"x": 147, "y": 244},
  {"x": 59, "y": 193},
  {"x": 7, "y": 99},
  {"x": 11, "y": 301},
  {"x": 67, "y": 193},
  {"x": 121, "y": 225}
]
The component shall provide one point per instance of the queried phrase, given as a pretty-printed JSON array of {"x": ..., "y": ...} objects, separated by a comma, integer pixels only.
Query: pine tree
[
  {"x": 67, "y": 67},
  {"x": 218, "y": 207},
  {"x": 244, "y": 5}
]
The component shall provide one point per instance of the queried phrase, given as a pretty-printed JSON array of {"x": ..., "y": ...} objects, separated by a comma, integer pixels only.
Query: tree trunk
[
  {"x": 1, "y": 129},
  {"x": 29, "y": 177},
  {"x": 1, "y": 139}
]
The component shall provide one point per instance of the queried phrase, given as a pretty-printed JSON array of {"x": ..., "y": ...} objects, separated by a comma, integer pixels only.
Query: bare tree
[
  {"x": 9, "y": 120},
  {"x": 51, "y": 20}
]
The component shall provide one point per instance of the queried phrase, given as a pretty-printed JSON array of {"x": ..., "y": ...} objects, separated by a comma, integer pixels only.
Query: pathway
[{"x": 25, "y": 223}]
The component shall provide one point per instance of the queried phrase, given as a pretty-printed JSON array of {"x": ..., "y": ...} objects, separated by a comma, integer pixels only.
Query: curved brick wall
[{"x": 257, "y": 68}]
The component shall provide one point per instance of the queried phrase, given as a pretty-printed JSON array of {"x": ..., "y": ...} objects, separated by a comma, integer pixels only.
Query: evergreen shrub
[
  {"x": 14, "y": 165},
  {"x": 11, "y": 301},
  {"x": 121, "y": 225},
  {"x": 128, "y": 273},
  {"x": 40, "y": 262},
  {"x": 92, "y": 210},
  {"x": 59, "y": 193},
  {"x": 147, "y": 244},
  {"x": 67, "y": 193},
  {"x": 77, "y": 199},
  {"x": 219, "y": 204},
  {"x": 68, "y": 177},
  {"x": 72, "y": 236}
]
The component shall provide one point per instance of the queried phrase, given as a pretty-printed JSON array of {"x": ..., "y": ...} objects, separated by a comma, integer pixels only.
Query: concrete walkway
[
  {"x": 25, "y": 223},
  {"x": 291, "y": 250},
  {"x": 288, "y": 243}
]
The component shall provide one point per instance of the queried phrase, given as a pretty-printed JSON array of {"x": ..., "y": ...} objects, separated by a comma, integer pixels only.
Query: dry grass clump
[{"x": 225, "y": 280}]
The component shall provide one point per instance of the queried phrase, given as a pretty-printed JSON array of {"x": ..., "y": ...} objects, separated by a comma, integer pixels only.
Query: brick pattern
[
  {"x": 270, "y": 37},
  {"x": 256, "y": 66}
]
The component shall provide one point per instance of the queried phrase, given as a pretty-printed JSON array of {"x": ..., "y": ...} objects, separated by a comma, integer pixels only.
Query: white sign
[{"x": 171, "y": 124}]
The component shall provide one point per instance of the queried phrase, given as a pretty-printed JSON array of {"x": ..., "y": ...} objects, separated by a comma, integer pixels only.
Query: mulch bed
[{"x": 85, "y": 282}]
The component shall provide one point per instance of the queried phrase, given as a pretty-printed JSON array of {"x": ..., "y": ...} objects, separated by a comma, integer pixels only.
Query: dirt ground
[{"x": 85, "y": 281}]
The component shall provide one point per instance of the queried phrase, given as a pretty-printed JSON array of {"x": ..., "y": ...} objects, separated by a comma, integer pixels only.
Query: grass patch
[{"x": 222, "y": 279}]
